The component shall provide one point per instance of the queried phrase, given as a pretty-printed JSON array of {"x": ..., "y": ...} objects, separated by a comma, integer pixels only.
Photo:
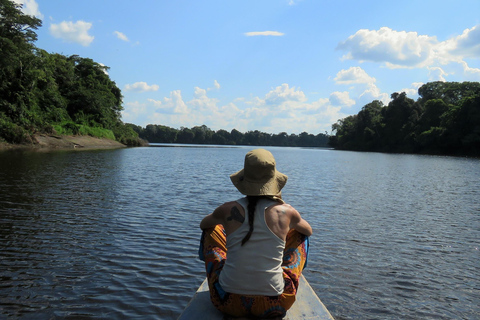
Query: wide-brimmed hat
[{"x": 259, "y": 176}]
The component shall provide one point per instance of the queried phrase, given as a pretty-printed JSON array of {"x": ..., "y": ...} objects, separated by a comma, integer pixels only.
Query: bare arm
[
  {"x": 300, "y": 224},
  {"x": 211, "y": 220}
]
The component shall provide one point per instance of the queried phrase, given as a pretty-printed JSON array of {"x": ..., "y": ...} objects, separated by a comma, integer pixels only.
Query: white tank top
[{"x": 256, "y": 267}]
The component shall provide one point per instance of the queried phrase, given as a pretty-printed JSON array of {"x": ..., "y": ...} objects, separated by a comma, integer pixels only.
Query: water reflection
[{"x": 113, "y": 233}]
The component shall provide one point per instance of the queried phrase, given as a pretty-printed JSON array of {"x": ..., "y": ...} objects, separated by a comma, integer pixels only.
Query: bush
[{"x": 13, "y": 133}]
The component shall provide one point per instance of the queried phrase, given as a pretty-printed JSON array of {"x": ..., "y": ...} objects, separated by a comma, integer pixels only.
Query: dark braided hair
[{"x": 252, "y": 204}]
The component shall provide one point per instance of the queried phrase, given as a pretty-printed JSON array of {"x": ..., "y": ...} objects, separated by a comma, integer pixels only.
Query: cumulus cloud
[
  {"x": 156, "y": 103},
  {"x": 353, "y": 75},
  {"x": 412, "y": 92},
  {"x": 362, "y": 83},
  {"x": 372, "y": 92},
  {"x": 436, "y": 74},
  {"x": 470, "y": 73},
  {"x": 341, "y": 99},
  {"x": 264, "y": 33},
  {"x": 30, "y": 7},
  {"x": 201, "y": 102},
  {"x": 395, "y": 48},
  {"x": 175, "y": 102},
  {"x": 467, "y": 44},
  {"x": 72, "y": 32},
  {"x": 141, "y": 87},
  {"x": 284, "y": 93},
  {"x": 401, "y": 49},
  {"x": 121, "y": 36},
  {"x": 292, "y": 112}
]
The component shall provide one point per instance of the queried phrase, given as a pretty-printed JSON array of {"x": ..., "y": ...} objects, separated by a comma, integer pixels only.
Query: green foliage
[
  {"x": 204, "y": 135},
  {"x": 72, "y": 129},
  {"x": 127, "y": 135},
  {"x": 43, "y": 92},
  {"x": 444, "y": 120},
  {"x": 11, "y": 132}
]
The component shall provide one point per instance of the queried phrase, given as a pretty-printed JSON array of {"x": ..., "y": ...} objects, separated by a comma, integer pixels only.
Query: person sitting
[{"x": 256, "y": 247}]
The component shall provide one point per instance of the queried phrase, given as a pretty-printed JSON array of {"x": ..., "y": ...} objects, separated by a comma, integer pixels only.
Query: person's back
[
  {"x": 266, "y": 241},
  {"x": 255, "y": 266}
]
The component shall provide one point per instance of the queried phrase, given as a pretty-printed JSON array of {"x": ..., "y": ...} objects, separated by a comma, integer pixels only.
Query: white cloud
[
  {"x": 156, "y": 103},
  {"x": 364, "y": 86},
  {"x": 134, "y": 112},
  {"x": 412, "y": 92},
  {"x": 401, "y": 49},
  {"x": 467, "y": 44},
  {"x": 292, "y": 112},
  {"x": 201, "y": 102},
  {"x": 175, "y": 102},
  {"x": 394, "y": 48},
  {"x": 470, "y": 73},
  {"x": 283, "y": 94},
  {"x": 216, "y": 86},
  {"x": 341, "y": 99},
  {"x": 353, "y": 75},
  {"x": 264, "y": 33},
  {"x": 72, "y": 32},
  {"x": 30, "y": 7},
  {"x": 372, "y": 92},
  {"x": 141, "y": 87},
  {"x": 436, "y": 74},
  {"x": 121, "y": 36}
]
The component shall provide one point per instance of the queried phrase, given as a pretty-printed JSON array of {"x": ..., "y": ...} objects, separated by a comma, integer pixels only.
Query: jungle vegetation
[
  {"x": 51, "y": 93},
  {"x": 41, "y": 92},
  {"x": 204, "y": 135},
  {"x": 445, "y": 119}
]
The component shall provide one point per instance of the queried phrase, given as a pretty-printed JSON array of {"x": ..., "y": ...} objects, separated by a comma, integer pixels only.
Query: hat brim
[{"x": 270, "y": 187}]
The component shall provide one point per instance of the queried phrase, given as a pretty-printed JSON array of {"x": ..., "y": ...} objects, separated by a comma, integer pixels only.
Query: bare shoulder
[
  {"x": 227, "y": 206},
  {"x": 228, "y": 209},
  {"x": 286, "y": 209}
]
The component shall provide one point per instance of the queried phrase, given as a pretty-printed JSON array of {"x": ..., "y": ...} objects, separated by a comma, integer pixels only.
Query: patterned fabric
[{"x": 214, "y": 252}]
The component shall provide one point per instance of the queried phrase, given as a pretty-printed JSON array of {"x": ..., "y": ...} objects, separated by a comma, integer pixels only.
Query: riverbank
[{"x": 43, "y": 141}]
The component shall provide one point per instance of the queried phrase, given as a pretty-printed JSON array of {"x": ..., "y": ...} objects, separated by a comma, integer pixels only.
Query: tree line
[
  {"x": 51, "y": 93},
  {"x": 41, "y": 92},
  {"x": 204, "y": 135},
  {"x": 445, "y": 119}
]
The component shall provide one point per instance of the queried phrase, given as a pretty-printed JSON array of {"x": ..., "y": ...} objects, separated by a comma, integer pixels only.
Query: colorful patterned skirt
[{"x": 214, "y": 252}]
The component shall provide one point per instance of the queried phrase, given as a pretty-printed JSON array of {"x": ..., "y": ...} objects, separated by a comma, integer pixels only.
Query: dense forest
[
  {"x": 444, "y": 120},
  {"x": 204, "y": 135},
  {"x": 42, "y": 92}
]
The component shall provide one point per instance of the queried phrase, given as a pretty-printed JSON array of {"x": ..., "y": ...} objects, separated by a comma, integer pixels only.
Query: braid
[{"x": 252, "y": 203}]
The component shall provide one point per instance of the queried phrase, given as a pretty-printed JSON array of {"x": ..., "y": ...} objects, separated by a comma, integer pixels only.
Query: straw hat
[{"x": 259, "y": 177}]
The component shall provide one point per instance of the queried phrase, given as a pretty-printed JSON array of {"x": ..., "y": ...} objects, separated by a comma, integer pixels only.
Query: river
[{"x": 113, "y": 234}]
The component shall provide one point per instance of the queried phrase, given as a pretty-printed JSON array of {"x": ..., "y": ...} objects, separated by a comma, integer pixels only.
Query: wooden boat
[{"x": 306, "y": 307}]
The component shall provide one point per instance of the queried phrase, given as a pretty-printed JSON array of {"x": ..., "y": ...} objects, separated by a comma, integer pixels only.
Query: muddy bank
[{"x": 42, "y": 141}]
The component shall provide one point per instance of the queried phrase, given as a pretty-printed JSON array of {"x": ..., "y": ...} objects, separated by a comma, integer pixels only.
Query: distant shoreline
[{"x": 53, "y": 142}]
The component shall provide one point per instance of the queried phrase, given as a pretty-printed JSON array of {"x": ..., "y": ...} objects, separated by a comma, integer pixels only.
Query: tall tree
[{"x": 16, "y": 44}]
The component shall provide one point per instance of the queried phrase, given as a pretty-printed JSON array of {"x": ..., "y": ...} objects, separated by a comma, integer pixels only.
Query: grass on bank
[{"x": 72, "y": 129}]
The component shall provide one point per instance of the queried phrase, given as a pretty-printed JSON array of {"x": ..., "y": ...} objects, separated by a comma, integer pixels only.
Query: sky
[{"x": 270, "y": 65}]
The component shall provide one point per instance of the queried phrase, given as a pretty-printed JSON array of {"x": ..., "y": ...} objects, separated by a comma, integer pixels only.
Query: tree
[
  {"x": 93, "y": 98},
  {"x": 400, "y": 117},
  {"x": 444, "y": 120},
  {"x": 16, "y": 44}
]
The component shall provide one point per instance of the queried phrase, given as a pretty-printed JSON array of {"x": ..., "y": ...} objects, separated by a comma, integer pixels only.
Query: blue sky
[{"x": 274, "y": 66}]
